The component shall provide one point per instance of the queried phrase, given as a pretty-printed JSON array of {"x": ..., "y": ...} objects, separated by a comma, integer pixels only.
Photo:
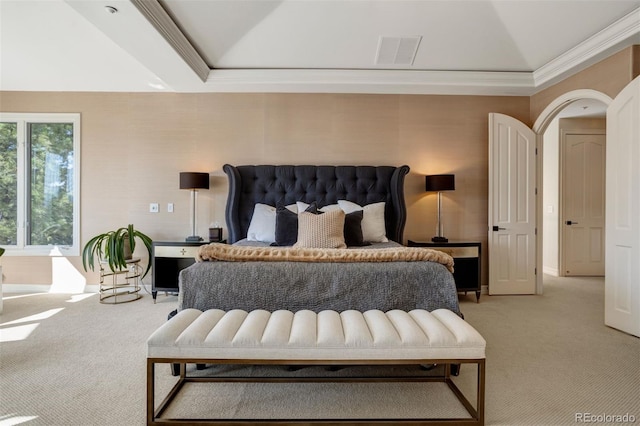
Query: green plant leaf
[{"x": 109, "y": 247}]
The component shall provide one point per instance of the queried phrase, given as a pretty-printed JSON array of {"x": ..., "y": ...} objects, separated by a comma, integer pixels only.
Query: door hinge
[
  {"x": 536, "y": 151},
  {"x": 536, "y": 191},
  {"x": 535, "y": 231},
  {"x": 535, "y": 271}
]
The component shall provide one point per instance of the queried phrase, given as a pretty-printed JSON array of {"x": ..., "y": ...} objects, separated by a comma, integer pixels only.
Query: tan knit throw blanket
[{"x": 225, "y": 252}]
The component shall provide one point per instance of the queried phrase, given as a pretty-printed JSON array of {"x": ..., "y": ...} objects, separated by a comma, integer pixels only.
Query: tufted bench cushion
[{"x": 328, "y": 335}]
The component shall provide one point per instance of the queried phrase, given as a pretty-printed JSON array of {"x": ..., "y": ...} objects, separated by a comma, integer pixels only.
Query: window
[{"x": 39, "y": 183}]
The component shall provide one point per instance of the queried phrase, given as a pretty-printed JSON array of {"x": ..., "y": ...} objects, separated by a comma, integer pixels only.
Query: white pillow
[
  {"x": 263, "y": 223},
  {"x": 302, "y": 206},
  {"x": 373, "y": 227}
]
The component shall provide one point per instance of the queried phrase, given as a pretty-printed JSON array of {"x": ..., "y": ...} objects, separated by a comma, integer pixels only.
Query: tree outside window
[
  {"x": 8, "y": 184},
  {"x": 38, "y": 179}
]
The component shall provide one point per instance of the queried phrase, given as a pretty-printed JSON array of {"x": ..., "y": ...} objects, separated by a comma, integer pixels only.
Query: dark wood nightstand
[
  {"x": 169, "y": 258},
  {"x": 466, "y": 256}
]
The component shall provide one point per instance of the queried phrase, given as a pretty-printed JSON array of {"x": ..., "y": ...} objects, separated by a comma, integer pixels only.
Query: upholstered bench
[{"x": 306, "y": 338}]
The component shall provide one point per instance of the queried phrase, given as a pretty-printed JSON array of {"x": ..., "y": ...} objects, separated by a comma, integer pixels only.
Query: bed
[{"x": 375, "y": 191}]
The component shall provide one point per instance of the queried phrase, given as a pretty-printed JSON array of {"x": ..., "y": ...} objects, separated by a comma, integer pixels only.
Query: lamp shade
[
  {"x": 440, "y": 183},
  {"x": 194, "y": 180}
]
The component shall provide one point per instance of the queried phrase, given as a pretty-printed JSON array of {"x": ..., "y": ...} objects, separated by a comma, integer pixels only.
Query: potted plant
[{"x": 115, "y": 247}]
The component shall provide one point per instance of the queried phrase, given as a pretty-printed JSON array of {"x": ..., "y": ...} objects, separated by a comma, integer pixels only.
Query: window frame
[{"x": 23, "y": 120}]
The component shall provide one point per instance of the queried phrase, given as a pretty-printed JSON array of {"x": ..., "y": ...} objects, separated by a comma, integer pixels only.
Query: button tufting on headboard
[{"x": 283, "y": 185}]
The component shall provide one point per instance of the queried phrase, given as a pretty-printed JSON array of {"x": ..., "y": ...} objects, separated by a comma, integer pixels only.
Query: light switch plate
[
  {"x": 170, "y": 207},
  {"x": 153, "y": 208}
]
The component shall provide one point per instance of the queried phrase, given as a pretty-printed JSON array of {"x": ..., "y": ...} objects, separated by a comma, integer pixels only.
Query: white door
[
  {"x": 512, "y": 206},
  {"x": 622, "y": 264},
  {"x": 583, "y": 204}
]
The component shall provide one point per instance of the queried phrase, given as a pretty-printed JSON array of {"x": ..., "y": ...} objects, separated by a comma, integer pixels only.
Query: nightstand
[
  {"x": 466, "y": 256},
  {"x": 169, "y": 258}
]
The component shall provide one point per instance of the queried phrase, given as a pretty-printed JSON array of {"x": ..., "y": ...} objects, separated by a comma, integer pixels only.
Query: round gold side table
[{"x": 123, "y": 285}]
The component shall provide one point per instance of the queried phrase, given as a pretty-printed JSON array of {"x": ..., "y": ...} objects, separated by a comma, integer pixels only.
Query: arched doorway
[
  {"x": 558, "y": 104},
  {"x": 545, "y": 119}
]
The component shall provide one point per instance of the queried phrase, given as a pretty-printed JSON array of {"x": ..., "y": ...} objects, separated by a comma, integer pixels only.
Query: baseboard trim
[{"x": 41, "y": 288}]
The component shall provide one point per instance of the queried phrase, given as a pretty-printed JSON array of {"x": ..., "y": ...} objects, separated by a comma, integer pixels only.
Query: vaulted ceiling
[{"x": 503, "y": 47}]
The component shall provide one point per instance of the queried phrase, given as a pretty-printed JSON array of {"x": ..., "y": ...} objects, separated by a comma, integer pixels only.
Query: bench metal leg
[
  {"x": 175, "y": 368},
  {"x": 151, "y": 381},
  {"x": 154, "y": 415}
]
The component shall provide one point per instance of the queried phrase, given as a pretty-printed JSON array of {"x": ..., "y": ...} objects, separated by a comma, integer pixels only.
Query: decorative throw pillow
[
  {"x": 263, "y": 223},
  {"x": 286, "y": 233},
  {"x": 353, "y": 229},
  {"x": 373, "y": 226},
  {"x": 324, "y": 230},
  {"x": 352, "y": 223},
  {"x": 286, "y": 227}
]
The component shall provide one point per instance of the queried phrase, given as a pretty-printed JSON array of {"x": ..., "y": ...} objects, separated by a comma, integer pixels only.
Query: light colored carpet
[{"x": 68, "y": 360}]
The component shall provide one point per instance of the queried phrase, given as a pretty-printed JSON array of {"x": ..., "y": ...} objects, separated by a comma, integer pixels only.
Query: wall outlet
[
  {"x": 153, "y": 208},
  {"x": 170, "y": 208}
]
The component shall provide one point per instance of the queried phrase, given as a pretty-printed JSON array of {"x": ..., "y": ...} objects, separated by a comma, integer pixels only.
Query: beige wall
[{"x": 134, "y": 146}]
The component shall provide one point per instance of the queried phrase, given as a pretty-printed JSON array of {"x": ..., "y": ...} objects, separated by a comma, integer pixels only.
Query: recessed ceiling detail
[
  {"x": 479, "y": 47},
  {"x": 397, "y": 50},
  {"x": 160, "y": 19}
]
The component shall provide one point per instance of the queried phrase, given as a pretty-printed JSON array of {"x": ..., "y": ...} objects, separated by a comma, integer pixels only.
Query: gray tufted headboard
[{"x": 283, "y": 185}]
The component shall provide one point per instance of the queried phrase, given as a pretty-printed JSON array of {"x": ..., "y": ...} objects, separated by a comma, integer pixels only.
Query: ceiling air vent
[{"x": 397, "y": 50}]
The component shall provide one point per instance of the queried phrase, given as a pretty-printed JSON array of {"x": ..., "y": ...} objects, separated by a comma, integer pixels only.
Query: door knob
[
  {"x": 497, "y": 228},
  {"x": 571, "y": 223}
]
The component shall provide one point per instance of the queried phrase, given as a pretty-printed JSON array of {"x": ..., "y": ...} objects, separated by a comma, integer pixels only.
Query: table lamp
[
  {"x": 194, "y": 181},
  {"x": 440, "y": 183}
]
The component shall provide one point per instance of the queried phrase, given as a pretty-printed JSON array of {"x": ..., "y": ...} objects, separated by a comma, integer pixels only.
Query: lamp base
[
  {"x": 440, "y": 240},
  {"x": 194, "y": 239}
]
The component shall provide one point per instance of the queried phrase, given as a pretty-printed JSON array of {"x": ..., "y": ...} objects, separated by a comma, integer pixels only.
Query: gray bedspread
[{"x": 317, "y": 286}]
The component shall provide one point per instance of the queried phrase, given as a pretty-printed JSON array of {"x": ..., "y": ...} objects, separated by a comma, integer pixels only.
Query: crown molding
[
  {"x": 589, "y": 51},
  {"x": 370, "y": 81}
]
